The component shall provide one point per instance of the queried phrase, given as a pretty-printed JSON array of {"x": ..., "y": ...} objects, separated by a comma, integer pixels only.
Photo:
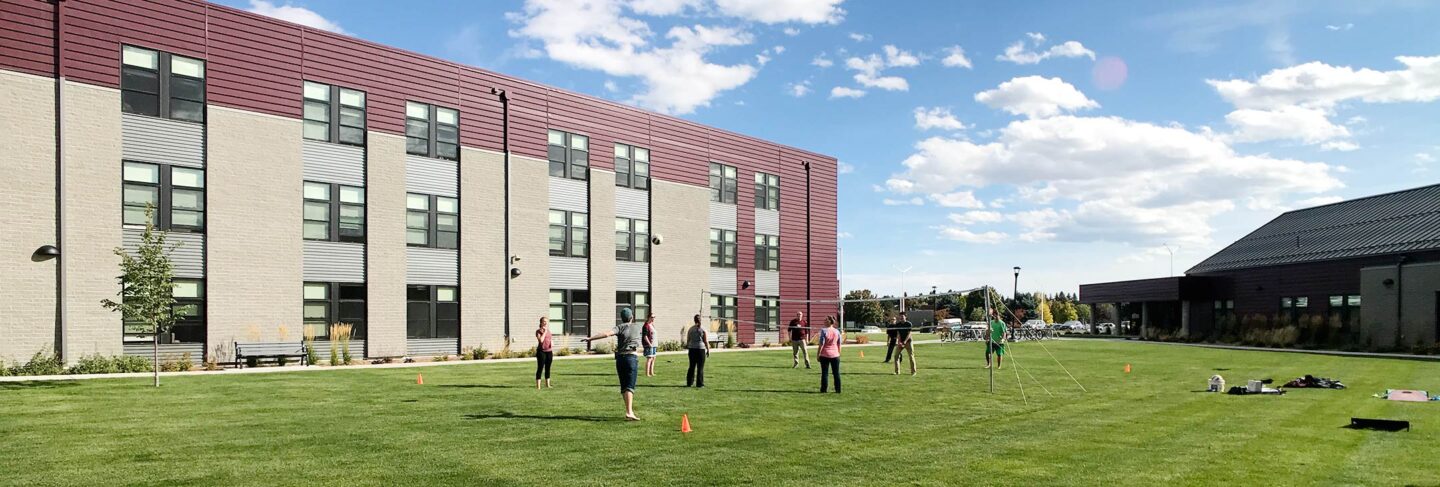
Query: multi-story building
[{"x": 313, "y": 178}]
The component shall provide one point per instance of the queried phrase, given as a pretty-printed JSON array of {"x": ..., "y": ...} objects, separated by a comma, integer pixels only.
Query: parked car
[
  {"x": 1035, "y": 325},
  {"x": 974, "y": 325},
  {"x": 1074, "y": 326},
  {"x": 1105, "y": 328},
  {"x": 872, "y": 329}
]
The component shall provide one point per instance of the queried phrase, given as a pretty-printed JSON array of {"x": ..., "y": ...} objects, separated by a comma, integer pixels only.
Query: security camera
[{"x": 657, "y": 239}]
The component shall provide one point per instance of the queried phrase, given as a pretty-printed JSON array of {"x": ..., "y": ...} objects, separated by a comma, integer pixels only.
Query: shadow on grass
[
  {"x": 37, "y": 385},
  {"x": 510, "y": 415},
  {"x": 769, "y": 391},
  {"x": 484, "y": 386}
]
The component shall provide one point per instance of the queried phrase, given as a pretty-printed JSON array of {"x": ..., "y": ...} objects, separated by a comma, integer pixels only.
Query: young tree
[
  {"x": 147, "y": 286},
  {"x": 863, "y": 312},
  {"x": 1084, "y": 313},
  {"x": 1042, "y": 308}
]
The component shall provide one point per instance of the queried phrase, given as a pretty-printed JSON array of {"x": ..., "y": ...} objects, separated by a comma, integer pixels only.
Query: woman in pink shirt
[
  {"x": 544, "y": 352},
  {"x": 830, "y": 339}
]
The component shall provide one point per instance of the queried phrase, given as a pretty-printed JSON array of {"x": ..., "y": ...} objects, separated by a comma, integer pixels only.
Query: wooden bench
[{"x": 276, "y": 350}]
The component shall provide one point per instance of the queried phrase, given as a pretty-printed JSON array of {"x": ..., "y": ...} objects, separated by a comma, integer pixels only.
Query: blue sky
[{"x": 1074, "y": 139}]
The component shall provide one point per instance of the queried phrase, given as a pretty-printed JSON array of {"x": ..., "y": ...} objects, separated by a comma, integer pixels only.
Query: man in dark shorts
[
  {"x": 903, "y": 344},
  {"x": 995, "y": 340},
  {"x": 890, "y": 335},
  {"x": 799, "y": 334},
  {"x": 627, "y": 357}
]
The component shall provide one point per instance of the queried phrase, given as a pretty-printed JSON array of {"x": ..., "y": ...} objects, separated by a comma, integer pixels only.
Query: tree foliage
[
  {"x": 147, "y": 286},
  {"x": 1084, "y": 313},
  {"x": 863, "y": 313}
]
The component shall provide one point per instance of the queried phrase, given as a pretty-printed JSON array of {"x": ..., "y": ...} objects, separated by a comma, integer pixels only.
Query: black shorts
[{"x": 992, "y": 347}]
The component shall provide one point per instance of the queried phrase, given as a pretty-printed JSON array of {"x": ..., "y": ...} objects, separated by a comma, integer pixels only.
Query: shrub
[
  {"x": 765, "y": 343},
  {"x": 602, "y": 348},
  {"x": 334, "y": 352},
  {"x": 95, "y": 364},
  {"x": 671, "y": 346},
  {"x": 528, "y": 353},
  {"x": 862, "y": 339},
  {"x": 562, "y": 351},
  {"x": 441, "y": 358},
  {"x": 43, "y": 362},
  {"x": 311, "y": 356},
  {"x": 729, "y": 340},
  {"x": 342, "y": 332}
]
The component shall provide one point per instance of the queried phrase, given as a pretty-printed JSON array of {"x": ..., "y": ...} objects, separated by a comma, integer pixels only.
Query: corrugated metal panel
[
  {"x": 432, "y": 346},
  {"x": 569, "y": 194},
  {"x": 632, "y": 203},
  {"x": 334, "y": 261},
  {"x": 168, "y": 351},
  {"x": 722, "y": 281},
  {"x": 431, "y": 176},
  {"x": 188, "y": 256},
  {"x": 767, "y": 283},
  {"x": 432, "y": 266},
  {"x": 333, "y": 163},
  {"x": 159, "y": 140},
  {"x": 632, "y": 276},
  {"x": 569, "y": 273},
  {"x": 322, "y": 350},
  {"x": 767, "y": 221},
  {"x": 722, "y": 216}
]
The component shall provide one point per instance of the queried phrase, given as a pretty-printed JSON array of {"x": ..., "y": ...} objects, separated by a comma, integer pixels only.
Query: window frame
[
  {"x": 634, "y": 240},
  {"x": 767, "y": 314},
  {"x": 627, "y": 164},
  {"x": 334, "y": 110},
  {"x": 433, "y": 132},
  {"x": 569, "y": 167},
  {"x": 335, "y": 207},
  {"x": 432, "y": 221},
  {"x": 433, "y": 308},
  {"x": 627, "y": 299},
  {"x": 572, "y": 311},
  {"x": 724, "y": 186},
  {"x": 767, "y": 252},
  {"x": 164, "y": 91},
  {"x": 723, "y": 250},
  {"x": 724, "y": 313},
  {"x": 189, "y": 325},
  {"x": 767, "y": 191},
  {"x": 164, "y": 189},
  {"x": 569, "y": 228}
]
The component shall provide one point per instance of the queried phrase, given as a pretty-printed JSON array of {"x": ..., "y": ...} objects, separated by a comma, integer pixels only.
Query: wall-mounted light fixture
[
  {"x": 1388, "y": 282},
  {"x": 744, "y": 284},
  {"x": 45, "y": 252}
]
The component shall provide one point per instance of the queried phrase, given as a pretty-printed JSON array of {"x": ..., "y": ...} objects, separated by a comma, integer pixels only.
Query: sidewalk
[{"x": 367, "y": 366}]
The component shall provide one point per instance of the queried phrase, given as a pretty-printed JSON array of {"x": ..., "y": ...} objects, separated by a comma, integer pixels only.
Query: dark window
[
  {"x": 569, "y": 233},
  {"x": 767, "y": 313},
  {"x": 1224, "y": 314},
  {"x": 632, "y": 167},
  {"x": 632, "y": 240},
  {"x": 722, "y": 313},
  {"x": 323, "y": 201},
  {"x": 432, "y": 221},
  {"x": 569, "y": 155},
  {"x": 329, "y": 121},
  {"x": 1344, "y": 312},
  {"x": 432, "y": 131},
  {"x": 329, "y": 303},
  {"x": 189, "y": 311},
  {"x": 767, "y": 252},
  {"x": 570, "y": 311},
  {"x": 177, "y": 193},
  {"x": 722, "y": 248},
  {"x": 722, "y": 183},
  {"x": 160, "y": 84},
  {"x": 767, "y": 191},
  {"x": 1293, "y": 308},
  {"x": 637, "y": 301},
  {"x": 432, "y": 311}
]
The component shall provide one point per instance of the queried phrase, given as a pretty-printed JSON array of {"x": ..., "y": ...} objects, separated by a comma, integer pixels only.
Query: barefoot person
[
  {"x": 799, "y": 334},
  {"x": 903, "y": 345},
  {"x": 697, "y": 344},
  {"x": 829, "y": 353},
  {"x": 647, "y": 341},
  {"x": 627, "y": 357},
  {"x": 544, "y": 352},
  {"x": 995, "y": 342}
]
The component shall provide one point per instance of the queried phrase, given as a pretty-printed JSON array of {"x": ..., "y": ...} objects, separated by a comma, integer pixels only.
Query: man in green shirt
[{"x": 995, "y": 342}]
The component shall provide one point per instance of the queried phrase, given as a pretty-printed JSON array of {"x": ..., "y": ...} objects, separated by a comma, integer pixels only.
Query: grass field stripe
[{"x": 1062, "y": 366}]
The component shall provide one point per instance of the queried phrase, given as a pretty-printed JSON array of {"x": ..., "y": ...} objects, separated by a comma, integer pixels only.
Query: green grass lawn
[{"x": 758, "y": 422}]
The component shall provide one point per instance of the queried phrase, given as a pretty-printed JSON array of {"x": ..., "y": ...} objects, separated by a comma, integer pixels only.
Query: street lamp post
[
  {"x": 1172, "y": 257},
  {"x": 1015, "y": 291}
]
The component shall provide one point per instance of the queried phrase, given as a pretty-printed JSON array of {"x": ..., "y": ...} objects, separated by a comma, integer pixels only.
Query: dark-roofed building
[{"x": 1363, "y": 272}]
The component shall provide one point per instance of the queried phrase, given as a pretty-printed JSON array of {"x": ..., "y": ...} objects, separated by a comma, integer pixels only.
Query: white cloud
[
  {"x": 845, "y": 92},
  {"x": 1168, "y": 171},
  {"x": 895, "y": 57},
  {"x": 663, "y": 7},
  {"x": 800, "y": 89},
  {"x": 1019, "y": 53},
  {"x": 1320, "y": 85},
  {"x": 778, "y": 49},
  {"x": 1309, "y": 125},
  {"x": 858, "y": 37},
  {"x": 1339, "y": 146},
  {"x": 964, "y": 235},
  {"x": 780, "y": 11},
  {"x": 1356, "y": 120},
  {"x": 791, "y": 31},
  {"x": 957, "y": 199},
  {"x": 610, "y": 86},
  {"x": 869, "y": 69},
  {"x": 1424, "y": 157},
  {"x": 822, "y": 61},
  {"x": 955, "y": 58},
  {"x": 844, "y": 168},
  {"x": 299, "y": 15},
  {"x": 844, "y": 235},
  {"x": 1036, "y": 97},
  {"x": 1345, "y": 26},
  {"x": 937, "y": 118},
  {"x": 762, "y": 59},
  {"x": 976, "y": 216},
  {"x": 915, "y": 201},
  {"x": 598, "y": 35}
]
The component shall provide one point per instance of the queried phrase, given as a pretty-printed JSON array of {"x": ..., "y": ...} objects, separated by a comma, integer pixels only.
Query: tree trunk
[{"x": 155, "y": 355}]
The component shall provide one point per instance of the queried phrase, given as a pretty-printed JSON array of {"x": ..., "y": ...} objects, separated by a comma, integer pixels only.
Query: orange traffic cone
[
  {"x": 1127, "y": 368},
  {"x": 420, "y": 378},
  {"x": 685, "y": 423}
]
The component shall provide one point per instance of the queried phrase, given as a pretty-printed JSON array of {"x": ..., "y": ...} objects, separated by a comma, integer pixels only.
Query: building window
[
  {"x": 328, "y": 303},
  {"x": 722, "y": 313},
  {"x": 189, "y": 311},
  {"x": 570, "y": 311},
  {"x": 1224, "y": 315},
  {"x": 569, "y": 233},
  {"x": 767, "y": 191},
  {"x": 637, "y": 301},
  {"x": 160, "y": 84},
  {"x": 1293, "y": 308},
  {"x": 1345, "y": 311},
  {"x": 432, "y": 131},
  {"x": 177, "y": 193},
  {"x": 432, "y": 312},
  {"x": 632, "y": 240},
  {"x": 569, "y": 155},
  {"x": 722, "y": 183},
  {"x": 767, "y": 313},
  {"x": 322, "y": 200},
  {"x": 767, "y": 252},
  {"x": 432, "y": 221},
  {"x": 722, "y": 248},
  {"x": 329, "y": 121},
  {"x": 632, "y": 167}
]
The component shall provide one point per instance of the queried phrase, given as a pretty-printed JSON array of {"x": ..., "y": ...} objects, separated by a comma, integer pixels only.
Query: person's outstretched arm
[{"x": 601, "y": 335}]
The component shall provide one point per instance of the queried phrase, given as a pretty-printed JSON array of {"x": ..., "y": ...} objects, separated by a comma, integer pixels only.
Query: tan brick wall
[
  {"x": 253, "y": 255},
  {"x": 602, "y": 249},
  {"x": 679, "y": 269},
  {"x": 91, "y": 223},
  {"x": 385, "y": 245},
  {"x": 529, "y": 240},
  {"x": 482, "y": 249},
  {"x": 27, "y": 192}
]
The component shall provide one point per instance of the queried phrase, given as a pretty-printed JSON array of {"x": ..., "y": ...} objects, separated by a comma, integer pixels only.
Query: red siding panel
[{"x": 27, "y": 35}]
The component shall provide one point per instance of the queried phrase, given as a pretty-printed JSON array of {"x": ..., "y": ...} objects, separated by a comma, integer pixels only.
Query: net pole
[{"x": 987, "y": 339}]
